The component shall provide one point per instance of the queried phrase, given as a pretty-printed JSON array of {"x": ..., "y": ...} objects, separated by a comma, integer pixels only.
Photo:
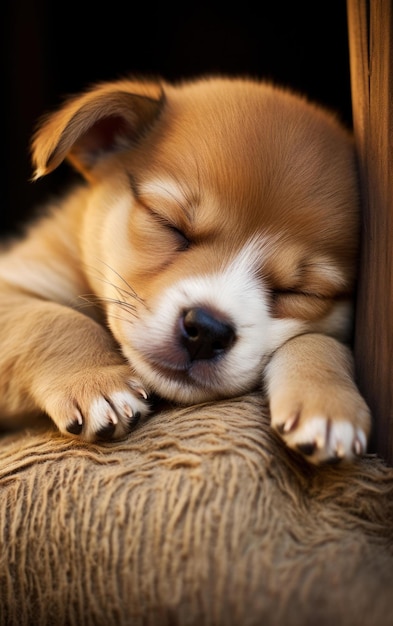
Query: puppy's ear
[{"x": 107, "y": 118}]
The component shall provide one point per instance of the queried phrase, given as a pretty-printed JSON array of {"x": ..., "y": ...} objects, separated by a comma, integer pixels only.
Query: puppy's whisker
[
  {"x": 88, "y": 300},
  {"x": 120, "y": 291},
  {"x": 112, "y": 316},
  {"x": 128, "y": 293},
  {"x": 124, "y": 292},
  {"x": 126, "y": 306},
  {"x": 93, "y": 300}
]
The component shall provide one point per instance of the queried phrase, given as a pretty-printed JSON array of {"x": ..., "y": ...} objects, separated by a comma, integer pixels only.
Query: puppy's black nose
[{"x": 203, "y": 335}]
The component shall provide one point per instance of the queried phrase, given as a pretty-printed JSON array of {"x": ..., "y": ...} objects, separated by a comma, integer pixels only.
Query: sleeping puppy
[{"x": 210, "y": 251}]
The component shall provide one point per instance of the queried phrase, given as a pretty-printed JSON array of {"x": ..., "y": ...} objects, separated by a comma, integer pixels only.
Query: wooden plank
[{"x": 370, "y": 31}]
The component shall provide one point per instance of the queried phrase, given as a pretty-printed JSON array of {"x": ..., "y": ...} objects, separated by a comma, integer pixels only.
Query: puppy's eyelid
[
  {"x": 184, "y": 241},
  {"x": 298, "y": 292}
]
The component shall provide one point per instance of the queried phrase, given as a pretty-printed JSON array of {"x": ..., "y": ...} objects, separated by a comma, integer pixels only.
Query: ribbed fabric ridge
[{"x": 199, "y": 518}]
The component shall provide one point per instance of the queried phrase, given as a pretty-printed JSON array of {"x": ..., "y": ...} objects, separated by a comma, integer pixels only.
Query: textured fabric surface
[{"x": 200, "y": 517}]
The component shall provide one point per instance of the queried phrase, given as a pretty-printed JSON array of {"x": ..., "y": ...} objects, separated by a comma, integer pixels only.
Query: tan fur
[{"x": 232, "y": 194}]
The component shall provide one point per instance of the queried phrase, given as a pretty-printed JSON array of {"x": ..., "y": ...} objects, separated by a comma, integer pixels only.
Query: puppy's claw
[
  {"x": 113, "y": 417},
  {"x": 339, "y": 451},
  {"x": 75, "y": 427},
  {"x": 108, "y": 430},
  {"x": 286, "y": 427},
  {"x": 359, "y": 444},
  {"x": 137, "y": 389},
  {"x": 128, "y": 412},
  {"x": 133, "y": 421},
  {"x": 132, "y": 416},
  {"x": 142, "y": 392}
]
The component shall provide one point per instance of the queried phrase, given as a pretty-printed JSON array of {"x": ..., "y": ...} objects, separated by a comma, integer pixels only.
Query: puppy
[{"x": 210, "y": 250}]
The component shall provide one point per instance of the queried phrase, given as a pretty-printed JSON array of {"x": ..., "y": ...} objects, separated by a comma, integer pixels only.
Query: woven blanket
[{"x": 200, "y": 517}]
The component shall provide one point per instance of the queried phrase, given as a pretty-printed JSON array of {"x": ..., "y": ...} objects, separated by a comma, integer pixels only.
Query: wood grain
[{"x": 370, "y": 31}]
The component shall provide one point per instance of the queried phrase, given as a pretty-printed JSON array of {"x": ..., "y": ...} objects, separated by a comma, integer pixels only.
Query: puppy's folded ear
[{"x": 108, "y": 117}]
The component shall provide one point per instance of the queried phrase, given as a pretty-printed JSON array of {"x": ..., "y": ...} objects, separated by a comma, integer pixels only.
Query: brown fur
[{"x": 250, "y": 167}]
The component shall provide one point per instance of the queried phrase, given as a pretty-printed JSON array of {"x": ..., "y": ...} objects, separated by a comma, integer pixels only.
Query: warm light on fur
[{"x": 211, "y": 251}]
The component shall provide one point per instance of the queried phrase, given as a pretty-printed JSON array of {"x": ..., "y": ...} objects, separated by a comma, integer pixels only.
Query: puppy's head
[{"x": 221, "y": 221}]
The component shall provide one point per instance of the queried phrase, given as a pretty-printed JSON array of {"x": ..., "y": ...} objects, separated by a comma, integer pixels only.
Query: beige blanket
[{"x": 199, "y": 518}]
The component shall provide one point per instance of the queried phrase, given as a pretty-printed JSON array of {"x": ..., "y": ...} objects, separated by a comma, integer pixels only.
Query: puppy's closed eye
[
  {"x": 306, "y": 289},
  {"x": 177, "y": 234},
  {"x": 300, "y": 305}
]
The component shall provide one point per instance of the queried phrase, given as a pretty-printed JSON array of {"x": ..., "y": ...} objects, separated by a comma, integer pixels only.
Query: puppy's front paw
[
  {"x": 324, "y": 425},
  {"x": 101, "y": 403}
]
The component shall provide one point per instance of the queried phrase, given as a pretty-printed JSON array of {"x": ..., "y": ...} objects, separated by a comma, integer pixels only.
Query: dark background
[{"x": 52, "y": 49}]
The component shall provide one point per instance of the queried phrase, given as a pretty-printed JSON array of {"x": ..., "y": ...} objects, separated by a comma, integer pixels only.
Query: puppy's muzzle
[{"x": 204, "y": 334}]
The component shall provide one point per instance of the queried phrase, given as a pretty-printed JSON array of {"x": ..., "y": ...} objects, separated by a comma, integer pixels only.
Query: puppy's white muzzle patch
[{"x": 208, "y": 336}]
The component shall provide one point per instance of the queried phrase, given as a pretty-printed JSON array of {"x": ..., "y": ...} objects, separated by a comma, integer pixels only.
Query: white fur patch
[
  {"x": 336, "y": 440},
  {"x": 241, "y": 297},
  {"x": 122, "y": 406}
]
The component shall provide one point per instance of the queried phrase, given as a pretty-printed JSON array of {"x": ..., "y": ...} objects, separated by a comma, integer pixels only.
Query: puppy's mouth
[
  {"x": 189, "y": 381},
  {"x": 198, "y": 372}
]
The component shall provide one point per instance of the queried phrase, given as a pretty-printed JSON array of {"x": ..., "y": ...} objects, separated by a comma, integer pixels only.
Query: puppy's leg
[
  {"x": 314, "y": 402},
  {"x": 57, "y": 360}
]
